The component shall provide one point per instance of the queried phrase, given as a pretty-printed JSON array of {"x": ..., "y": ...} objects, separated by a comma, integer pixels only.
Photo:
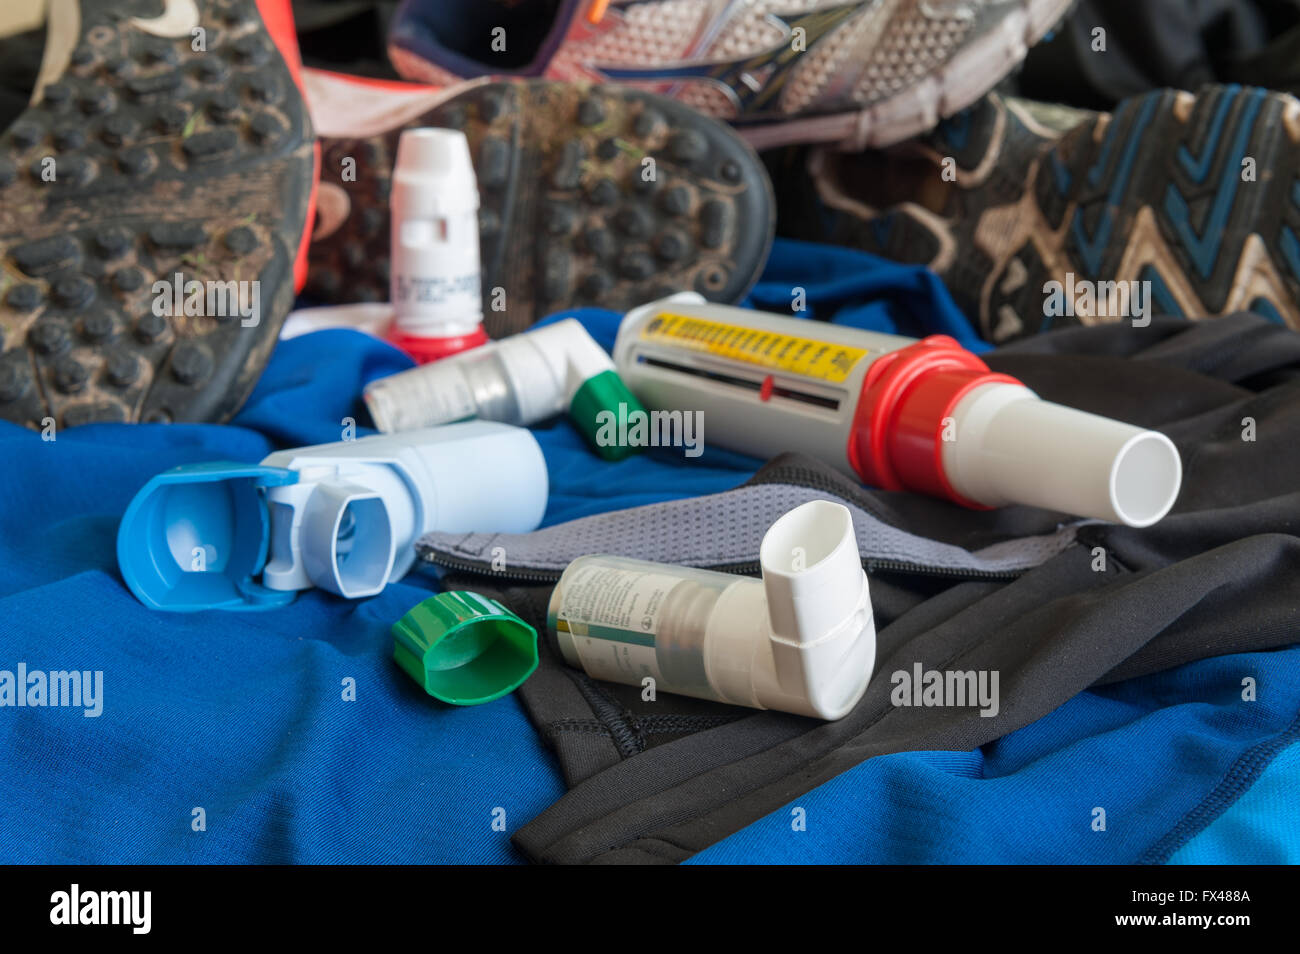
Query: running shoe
[
  {"x": 154, "y": 207},
  {"x": 860, "y": 73},
  {"x": 1188, "y": 203}
]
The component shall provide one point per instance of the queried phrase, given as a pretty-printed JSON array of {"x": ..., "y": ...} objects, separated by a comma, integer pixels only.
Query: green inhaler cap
[
  {"x": 464, "y": 648},
  {"x": 604, "y": 392}
]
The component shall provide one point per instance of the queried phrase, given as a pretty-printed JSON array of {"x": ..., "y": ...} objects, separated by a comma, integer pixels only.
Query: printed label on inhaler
[
  {"x": 409, "y": 401},
  {"x": 613, "y": 616},
  {"x": 823, "y": 360},
  {"x": 436, "y": 290}
]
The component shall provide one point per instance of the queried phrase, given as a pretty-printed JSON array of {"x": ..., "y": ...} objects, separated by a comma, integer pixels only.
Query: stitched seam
[
  {"x": 663, "y": 724},
  {"x": 1235, "y": 782},
  {"x": 578, "y": 725},
  {"x": 627, "y": 740},
  {"x": 650, "y": 843},
  {"x": 808, "y": 479},
  {"x": 950, "y": 660},
  {"x": 1216, "y": 358}
]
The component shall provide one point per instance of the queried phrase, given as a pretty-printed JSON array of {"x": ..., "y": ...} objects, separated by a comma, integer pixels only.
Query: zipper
[
  {"x": 747, "y": 569},
  {"x": 437, "y": 558},
  {"x": 870, "y": 565}
]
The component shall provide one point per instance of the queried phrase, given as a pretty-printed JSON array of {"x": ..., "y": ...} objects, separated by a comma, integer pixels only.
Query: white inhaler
[
  {"x": 523, "y": 379},
  {"x": 896, "y": 413},
  {"x": 802, "y": 639},
  {"x": 343, "y": 517},
  {"x": 435, "y": 281}
]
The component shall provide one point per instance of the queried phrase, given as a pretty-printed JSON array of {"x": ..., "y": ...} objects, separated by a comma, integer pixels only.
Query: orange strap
[{"x": 596, "y": 12}]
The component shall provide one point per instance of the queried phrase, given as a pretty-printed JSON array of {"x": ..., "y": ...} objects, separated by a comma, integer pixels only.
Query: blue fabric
[
  {"x": 243, "y": 715},
  {"x": 855, "y": 288},
  {"x": 1261, "y": 828},
  {"x": 1147, "y": 751}
]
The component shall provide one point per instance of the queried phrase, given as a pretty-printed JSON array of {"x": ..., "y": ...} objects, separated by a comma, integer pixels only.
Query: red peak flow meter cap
[{"x": 896, "y": 442}]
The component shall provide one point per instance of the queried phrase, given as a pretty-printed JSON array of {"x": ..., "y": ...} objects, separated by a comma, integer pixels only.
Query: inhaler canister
[
  {"x": 926, "y": 416},
  {"x": 435, "y": 281}
]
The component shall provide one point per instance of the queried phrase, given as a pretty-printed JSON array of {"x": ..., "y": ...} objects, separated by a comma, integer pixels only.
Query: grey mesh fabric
[{"x": 725, "y": 530}]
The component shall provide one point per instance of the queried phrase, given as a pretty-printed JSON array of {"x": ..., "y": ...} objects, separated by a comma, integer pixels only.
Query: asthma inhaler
[
  {"x": 523, "y": 379},
  {"x": 926, "y": 416},
  {"x": 343, "y": 517},
  {"x": 435, "y": 282},
  {"x": 802, "y": 639}
]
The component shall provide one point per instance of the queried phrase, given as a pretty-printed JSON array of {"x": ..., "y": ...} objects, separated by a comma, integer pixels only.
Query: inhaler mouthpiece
[
  {"x": 1012, "y": 447},
  {"x": 347, "y": 540},
  {"x": 349, "y": 523},
  {"x": 435, "y": 276}
]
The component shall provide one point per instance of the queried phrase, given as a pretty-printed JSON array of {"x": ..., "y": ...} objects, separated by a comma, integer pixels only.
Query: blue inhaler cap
[{"x": 196, "y": 537}]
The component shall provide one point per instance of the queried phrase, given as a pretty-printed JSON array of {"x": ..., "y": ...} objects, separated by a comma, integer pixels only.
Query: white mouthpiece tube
[
  {"x": 1011, "y": 447},
  {"x": 347, "y": 540},
  {"x": 817, "y": 605}
]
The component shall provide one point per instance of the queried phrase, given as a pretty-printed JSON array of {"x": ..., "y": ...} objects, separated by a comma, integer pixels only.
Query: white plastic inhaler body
[
  {"x": 523, "y": 379},
  {"x": 802, "y": 639},
  {"x": 435, "y": 277},
  {"x": 350, "y": 521}
]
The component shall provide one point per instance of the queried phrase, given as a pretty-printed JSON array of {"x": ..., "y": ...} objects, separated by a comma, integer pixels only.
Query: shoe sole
[
  {"x": 1160, "y": 192},
  {"x": 166, "y": 160},
  {"x": 572, "y": 214}
]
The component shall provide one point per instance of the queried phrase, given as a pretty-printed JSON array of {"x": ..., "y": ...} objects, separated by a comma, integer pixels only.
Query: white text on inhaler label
[{"x": 613, "y": 617}]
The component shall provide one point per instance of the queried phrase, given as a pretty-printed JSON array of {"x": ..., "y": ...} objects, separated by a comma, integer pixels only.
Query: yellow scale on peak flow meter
[{"x": 793, "y": 354}]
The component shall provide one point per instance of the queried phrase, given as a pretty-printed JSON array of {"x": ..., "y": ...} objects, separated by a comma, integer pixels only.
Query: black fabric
[
  {"x": 348, "y": 36},
  {"x": 1221, "y": 574},
  {"x": 20, "y": 62},
  {"x": 1180, "y": 43},
  {"x": 465, "y": 27}
]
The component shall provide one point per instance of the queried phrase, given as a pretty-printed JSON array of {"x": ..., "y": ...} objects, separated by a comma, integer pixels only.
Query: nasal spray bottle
[
  {"x": 435, "y": 281},
  {"x": 342, "y": 516},
  {"x": 802, "y": 639},
  {"x": 897, "y": 413},
  {"x": 523, "y": 379}
]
